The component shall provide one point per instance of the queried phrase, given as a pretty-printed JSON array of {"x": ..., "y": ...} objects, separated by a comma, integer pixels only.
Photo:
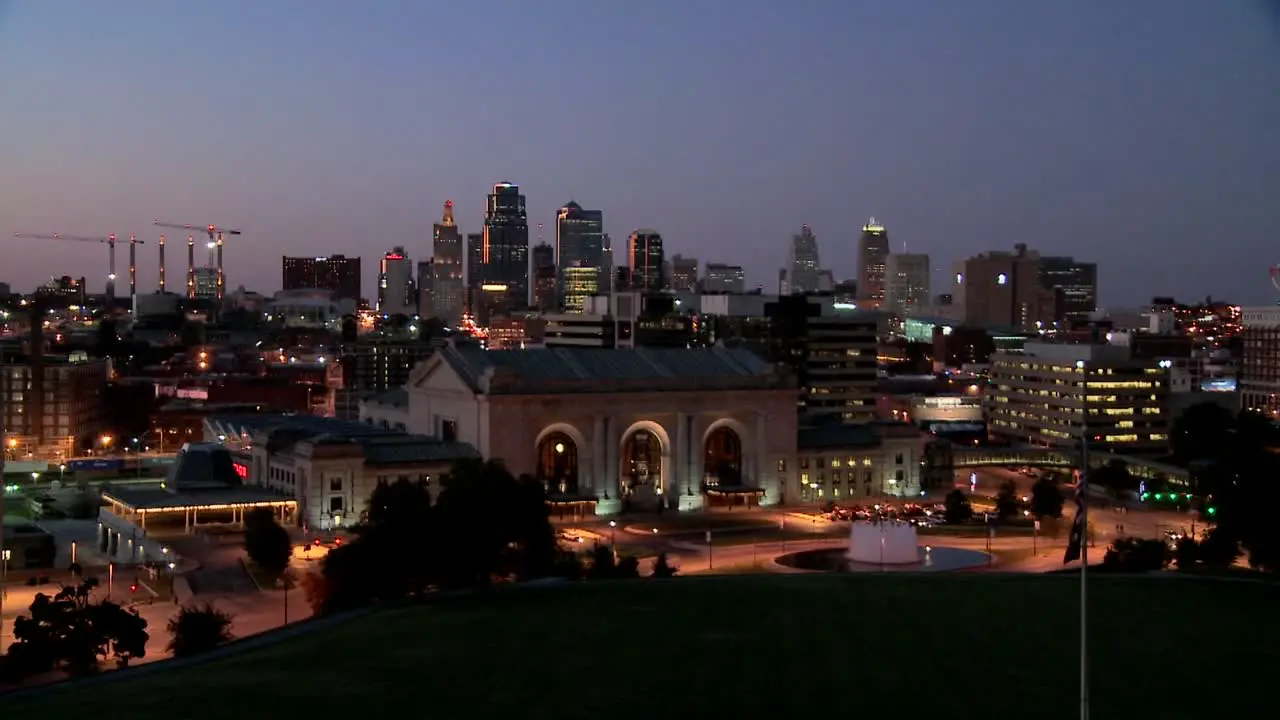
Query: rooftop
[
  {"x": 826, "y": 437},
  {"x": 540, "y": 370},
  {"x": 156, "y": 499},
  {"x": 396, "y": 397},
  {"x": 380, "y": 445}
]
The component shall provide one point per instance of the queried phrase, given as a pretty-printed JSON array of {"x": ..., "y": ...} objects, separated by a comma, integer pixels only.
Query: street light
[{"x": 613, "y": 526}]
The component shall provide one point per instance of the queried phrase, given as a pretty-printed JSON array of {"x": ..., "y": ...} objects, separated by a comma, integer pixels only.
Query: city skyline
[{"x": 971, "y": 132}]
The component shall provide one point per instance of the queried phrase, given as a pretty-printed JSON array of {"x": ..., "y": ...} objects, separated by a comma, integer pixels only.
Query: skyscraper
[
  {"x": 396, "y": 293},
  {"x": 545, "y": 296},
  {"x": 446, "y": 268},
  {"x": 1075, "y": 286},
  {"x": 1002, "y": 290},
  {"x": 802, "y": 262},
  {"x": 906, "y": 282},
  {"x": 579, "y": 243},
  {"x": 684, "y": 273},
  {"x": 472, "y": 273},
  {"x": 336, "y": 273},
  {"x": 645, "y": 260},
  {"x": 873, "y": 255},
  {"x": 505, "y": 253},
  {"x": 720, "y": 278}
]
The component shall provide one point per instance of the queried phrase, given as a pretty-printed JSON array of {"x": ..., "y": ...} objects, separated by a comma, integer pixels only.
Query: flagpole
[{"x": 1083, "y": 508}]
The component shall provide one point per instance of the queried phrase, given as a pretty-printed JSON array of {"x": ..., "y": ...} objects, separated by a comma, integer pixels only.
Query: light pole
[{"x": 1082, "y": 488}]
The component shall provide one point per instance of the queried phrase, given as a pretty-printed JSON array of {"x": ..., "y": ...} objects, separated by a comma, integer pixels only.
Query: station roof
[
  {"x": 530, "y": 371},
  {"x": 836, "y": 437},
  {"x": 155, "y": 499}
]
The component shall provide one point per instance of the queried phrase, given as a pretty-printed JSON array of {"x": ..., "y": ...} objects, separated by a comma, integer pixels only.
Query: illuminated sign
[
  {"x": 1218, "y": 385},
  {"x": 845, "y": 306},
  {"x": 493, "y": 288},
  {"x": 241, "y": 469}
]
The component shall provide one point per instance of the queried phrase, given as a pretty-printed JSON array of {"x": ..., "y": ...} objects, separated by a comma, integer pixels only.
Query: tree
[
  {"x": 1007, "y": 501},
  {"x": 68, "y": 632},
  {"x": 1114, "y": 476},
  {"x": 1201, "y": 433},
  {"x": 1136, "y": 555},
  {"x": 1186, "y": 553},
  {"x": 662, "y": 568},
  {"x": 267, "y": 544},
  {"x": 198, "y": 629},
  {"x": 605, "y": 565},
  {"x": 957, "y": 509},
  {"x": 1046, "y": 499},
  {"x": 1219, "y": 549}
]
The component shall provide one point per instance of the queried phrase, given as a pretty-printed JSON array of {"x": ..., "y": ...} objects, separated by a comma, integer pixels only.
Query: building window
[
  {"x": 335, "y": 484},
  {"x": 449, "y": 430},
  {"x": 335, "y": 504},
  {"x": 782, "y": 466},
  {"x": 897, "y": 459}
]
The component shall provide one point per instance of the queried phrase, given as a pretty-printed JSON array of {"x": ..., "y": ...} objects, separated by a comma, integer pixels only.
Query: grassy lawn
[
  {"x": 677, "y": 523},
  {"x": 978, "y": 530},
  {"x": 746, "y": 646}
]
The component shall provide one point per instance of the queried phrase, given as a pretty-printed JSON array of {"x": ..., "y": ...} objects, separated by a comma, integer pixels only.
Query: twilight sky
[{"x": 1138, "y": 133}]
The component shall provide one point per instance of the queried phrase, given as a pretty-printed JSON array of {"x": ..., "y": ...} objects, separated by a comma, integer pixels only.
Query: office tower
[
  {"x": 425, "y": 305},
  {"x": 473, "y": 271},
  {"x": 580, "y": 242},
  {"x": 906, "y": 282},
  {"x": 645, "y": 260},
  {"x": 1260, "y": 360},
  {"x": 802, "y": 262},
  {"x": 338, "y": 274},
  {"x": 580, "y": 283},
  {"x": 396, "y": 293},
  {"x": 606, "y": 267},
  {"x": 1037, "y": 396},
  {"x": 724, "y": 279},
  {"x": 447, "y": 287},
  {"x": 544, "y": 278},
  {"x": 684, "y": 274},
  {"x": 873, "y": 255},
  {"x": 1002, "y": 290},
  {"x": 505, "y": 254},
  {"x": 1075, "y": 286}
]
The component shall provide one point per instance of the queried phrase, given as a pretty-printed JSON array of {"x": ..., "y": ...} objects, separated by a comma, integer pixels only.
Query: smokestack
[{"x": 162, "y": 263}]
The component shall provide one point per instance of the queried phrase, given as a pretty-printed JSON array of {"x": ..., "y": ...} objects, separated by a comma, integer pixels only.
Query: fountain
[
  {"x": 887, "y": 542},
  {"x": 885, "y": 545}
]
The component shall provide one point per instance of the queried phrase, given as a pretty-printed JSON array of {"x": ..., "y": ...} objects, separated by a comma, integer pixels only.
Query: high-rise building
[
  {"x": 1260, "y": 360},
  {"x": 1040, "y": 394},
  {"x": 396, "y": 293},
  {"x": 505, "y": 253},
  {"x": 447, "y": 300},
  {"x": 802, "y": 262},
  {"x": 579, "y": 283},
  {"x": 580, "y": 242},
  {"x": 645, "y": 260},
  {"x": 338, "y": 274},
  {"x": 1075, "y": 286},
  {"x": 684, "y": 273},
  {"x": 873, "y": 256},
  {"x": 906, "y": 282},
  {"x": 545, "y": 296},
  {"x": 472, "y": 273},
  {"x": 606, "y": 266},
  {"x": 1001, "y": 289},
  {"x": 205, "y": 281},
  {"x": 724, "y": 279},
  {"x": 426, "y": 299}
]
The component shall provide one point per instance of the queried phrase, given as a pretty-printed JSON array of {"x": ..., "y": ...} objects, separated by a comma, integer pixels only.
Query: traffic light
[
  {"x": 316, "y": 542},
  {"x": 1213, "y": 510},
  {"x": 133, "y": 587},
  {"x": 337, "y": 541}
]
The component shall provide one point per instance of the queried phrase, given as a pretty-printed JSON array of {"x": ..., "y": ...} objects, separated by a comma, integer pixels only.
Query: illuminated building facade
[
  {"x": 1040, "y": 396},
  {"x": 721, "y": 278},
  {"x": 1260, "y": 362},
  {"x": 906, "y": 285},
  {"x": 338, "y": 274},
  {"x": 580, "y": 242},
  {"x": 447, "y": 302},
  {"x": 545, "y": 294},
  {"x": 873, "y": 258},
  {"x": 646, "y": 261},
  {"x": 579, "y": 282},
  {"x": 206, "y": 283},
  {"x": 684, "y": 274},
  {"x": 504, "y": 251},
  {"x": 1075, "y": 287}
]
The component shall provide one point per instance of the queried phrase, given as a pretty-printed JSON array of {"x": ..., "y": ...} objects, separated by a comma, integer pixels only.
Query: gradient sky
[{"x": 1141, "y": 134}]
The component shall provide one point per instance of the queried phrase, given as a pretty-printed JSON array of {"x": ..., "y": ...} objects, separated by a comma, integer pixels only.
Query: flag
[{"x": 1077, "y": 527}]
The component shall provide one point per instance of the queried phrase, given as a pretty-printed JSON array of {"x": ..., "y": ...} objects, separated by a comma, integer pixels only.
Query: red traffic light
[
  {"x": 133, "y": 587},
  {"x": 337, "y": 541},
  {"x": 316, "y": 542}
]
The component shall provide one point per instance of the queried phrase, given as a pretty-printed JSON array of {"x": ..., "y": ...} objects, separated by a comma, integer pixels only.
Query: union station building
[{"x": 606, "y": 429}]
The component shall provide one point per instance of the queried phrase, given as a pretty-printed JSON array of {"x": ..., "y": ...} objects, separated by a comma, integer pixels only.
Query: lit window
[{"x": 1001, "y": 279}]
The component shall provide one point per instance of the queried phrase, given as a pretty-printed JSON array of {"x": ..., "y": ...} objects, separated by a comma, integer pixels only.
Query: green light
[
  {"x": 1146, "y": 495},
  {"x": 1159, "y": 496},
  {"x": 1213, "y": 511}
]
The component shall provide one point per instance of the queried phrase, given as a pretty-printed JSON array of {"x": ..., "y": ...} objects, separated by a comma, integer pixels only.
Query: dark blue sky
[{"x": 1141, "y": 134}]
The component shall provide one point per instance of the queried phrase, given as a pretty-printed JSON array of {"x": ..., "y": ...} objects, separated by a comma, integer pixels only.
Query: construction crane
[
  {"x": 110, "y": 241},
  {"x": 215, "y": 246}
]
